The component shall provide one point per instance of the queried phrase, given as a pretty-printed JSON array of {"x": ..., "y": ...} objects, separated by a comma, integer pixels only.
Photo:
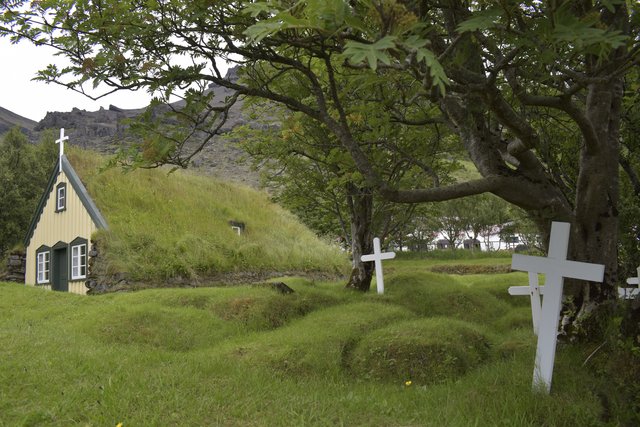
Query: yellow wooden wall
[{"x": 54, "y": 227}]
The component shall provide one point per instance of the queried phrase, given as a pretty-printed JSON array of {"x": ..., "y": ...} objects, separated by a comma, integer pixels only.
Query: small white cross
[
  {"x": 534, "y": 290},
  {"x": 61, "y": 142},
  {"x": 556, "y": 267},
  {"x": 630, "y": 293},
  {"x": 377, "y": 257}
]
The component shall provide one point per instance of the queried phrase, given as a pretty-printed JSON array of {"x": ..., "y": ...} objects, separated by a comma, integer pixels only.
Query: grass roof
[{"x": 164, "y": 225}]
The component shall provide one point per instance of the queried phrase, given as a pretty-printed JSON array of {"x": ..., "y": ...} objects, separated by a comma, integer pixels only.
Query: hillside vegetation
[
  {"x": 435, "y": 350},
  {"x": 176, "y": 225}
]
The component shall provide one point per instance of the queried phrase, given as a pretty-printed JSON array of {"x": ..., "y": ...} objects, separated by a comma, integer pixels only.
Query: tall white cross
[
  {"x": 556, "y": 267},
  {"x": 61, "y": 142},
  {"x": 377, "y": 257},
  {"x": 630, "y": 293}
]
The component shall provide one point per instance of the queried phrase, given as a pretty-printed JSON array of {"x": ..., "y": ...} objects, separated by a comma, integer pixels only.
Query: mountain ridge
[
  {"x": 9, "y": 119},
  {"x": 104, "y": 131}
]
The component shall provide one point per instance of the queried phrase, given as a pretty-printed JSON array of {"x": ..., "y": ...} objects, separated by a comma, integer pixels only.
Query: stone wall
[
  {"x": 16, "y": 267},
  {"x": 99, "y": 281}
]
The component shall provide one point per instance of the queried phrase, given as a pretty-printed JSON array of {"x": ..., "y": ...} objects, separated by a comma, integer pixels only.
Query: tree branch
[
  {"x": 632, "y": 174},
  {"x": 439, "y": 194}
]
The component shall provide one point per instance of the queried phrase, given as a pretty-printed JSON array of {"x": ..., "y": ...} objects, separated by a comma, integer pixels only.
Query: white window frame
[
  {"x": 79, "y": 261},
  {"x": 61, "y": 198},
  {"x": 43, "y": 270}
]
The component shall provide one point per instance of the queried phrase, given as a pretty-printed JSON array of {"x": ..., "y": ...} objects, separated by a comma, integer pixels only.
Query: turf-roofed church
[{"x": 58, "y": 240}]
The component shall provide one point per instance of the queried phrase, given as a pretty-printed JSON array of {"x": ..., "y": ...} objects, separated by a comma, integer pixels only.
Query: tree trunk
[
  {"x": 593, "y": 213},
  {"x": 360, "y": 202},
  {"x": 595, "y": 228}
]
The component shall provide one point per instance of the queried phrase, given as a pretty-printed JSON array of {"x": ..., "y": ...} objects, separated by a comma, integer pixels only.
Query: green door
[{"x": 60, "y": 270}]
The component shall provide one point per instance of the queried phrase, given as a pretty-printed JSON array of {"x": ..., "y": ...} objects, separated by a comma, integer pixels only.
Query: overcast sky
[{"x": 19, "y": 64}]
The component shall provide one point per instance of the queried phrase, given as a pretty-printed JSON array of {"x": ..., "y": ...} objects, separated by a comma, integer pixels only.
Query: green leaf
[
  {"x": 355, "y": 23},
  {"x": 415, "y": 42},
  {"x": 326, "y": 14},
  {"x": 374, "y": 52},
  {"x": 584, "y": 33},
  {"x": 436, "y": 71},
  {"x": 282, "y": 21},
  {"x": 255, "y": 9},
  {"x": 482, "y": 20}
]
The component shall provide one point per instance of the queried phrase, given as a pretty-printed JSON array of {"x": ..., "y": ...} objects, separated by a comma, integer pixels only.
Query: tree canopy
[
  {"x": 454, "y": 62},
  {"x": 24, "y": 171}
]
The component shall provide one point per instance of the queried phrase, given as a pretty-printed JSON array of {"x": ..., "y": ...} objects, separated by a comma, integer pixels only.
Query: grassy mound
[
  {"x": 177, "y": 226},
  {"x": 161, "y": 329},
  {"x": 264, "y": 312},
  {"x": 424, "y": 351},
  {"x": 518, "y": 318},
  {"x": 435, "y": 295},
  {"x": 257, "y": 309},
  {"x": 498, "y": 286},
  {"x": 320, "y": 343},
  {"x": 172, "y": 320}
]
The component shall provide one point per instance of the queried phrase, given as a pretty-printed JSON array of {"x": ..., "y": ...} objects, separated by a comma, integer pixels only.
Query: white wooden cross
[
  {"x": 61, "y": 142},
  {"x": 630, "y": 293},
  {"x": 556, "y": 267},
  {"x": 377, "y": 257},
  {"x": 534, "y": 290}
]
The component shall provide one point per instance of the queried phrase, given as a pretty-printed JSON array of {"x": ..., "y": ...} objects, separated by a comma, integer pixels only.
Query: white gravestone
[
  {"x": 377, "y": 256},
  {"x": 630, "y": 293},
  {"x": 61, "y": 142},
  {"x": 556, "y": 267},
  {"x": 534, "y": 290}
]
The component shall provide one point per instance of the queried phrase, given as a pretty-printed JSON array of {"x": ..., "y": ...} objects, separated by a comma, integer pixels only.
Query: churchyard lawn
[{"x": 435, "y": 349}]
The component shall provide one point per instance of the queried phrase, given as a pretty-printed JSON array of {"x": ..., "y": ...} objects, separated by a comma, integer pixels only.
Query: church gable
[
  {"x": 57, "y": 242},
  {"x": 64, "y": 203}
]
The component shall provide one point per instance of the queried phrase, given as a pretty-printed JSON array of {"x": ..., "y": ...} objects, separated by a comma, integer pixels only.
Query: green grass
[
  {"x": 247, "y": 355},
  {"x": 176, "y": 226}
]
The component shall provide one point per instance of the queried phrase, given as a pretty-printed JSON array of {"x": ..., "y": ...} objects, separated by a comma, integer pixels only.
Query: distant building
[
  {"x": 471, "y": 244},
  {"x": 493, "y": 241},
  {"x": 443, "y": 244}
]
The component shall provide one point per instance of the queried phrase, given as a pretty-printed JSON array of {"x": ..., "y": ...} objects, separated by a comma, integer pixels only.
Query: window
[
  {"x": 43, "y": 266},
  {"x": 79, "y": 261},
  {"x": 61, "y": 197}
]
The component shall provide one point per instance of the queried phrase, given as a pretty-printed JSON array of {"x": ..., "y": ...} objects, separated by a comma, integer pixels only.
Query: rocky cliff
[
  {"x": 105, "y": 130},
  {"x": 96, "y": 130}
]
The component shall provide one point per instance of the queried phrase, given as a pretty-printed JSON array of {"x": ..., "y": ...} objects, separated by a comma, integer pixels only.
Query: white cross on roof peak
[{"x": 61, "y": 141}]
